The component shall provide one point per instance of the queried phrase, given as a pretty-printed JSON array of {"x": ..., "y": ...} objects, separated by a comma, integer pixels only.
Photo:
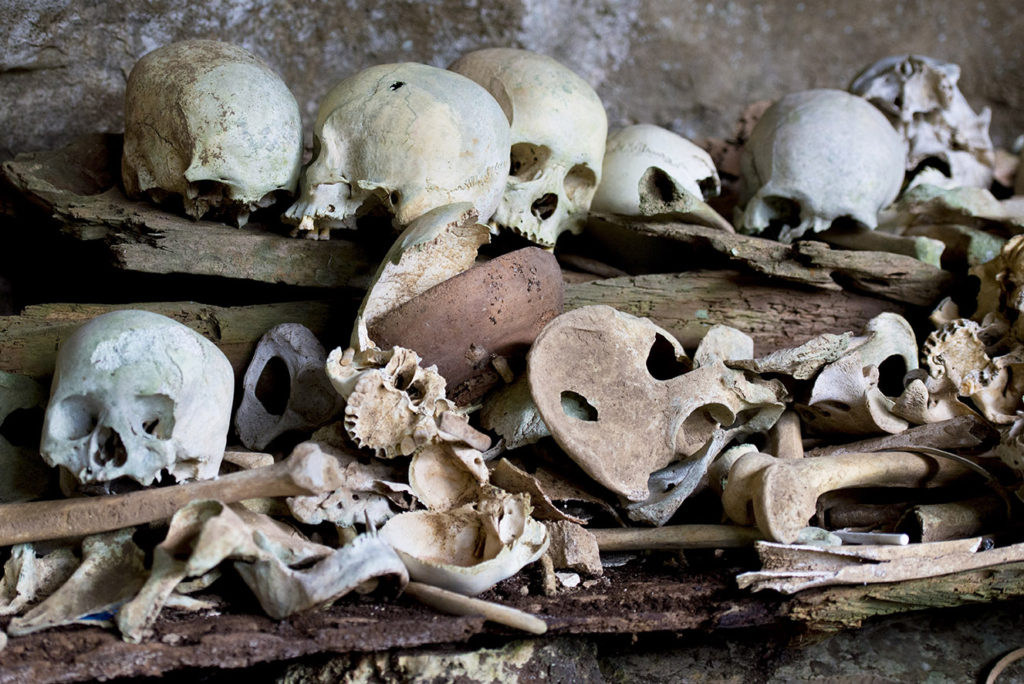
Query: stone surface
[{"x": 688, "y": 65}]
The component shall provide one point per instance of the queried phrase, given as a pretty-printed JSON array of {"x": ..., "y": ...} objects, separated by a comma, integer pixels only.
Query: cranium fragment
[
  {"x": 310, "y": 400},
  {"x": 650, "y": 170},
  {"x": 920, "y": 97},
  {"x": 468, "y": 549},
  {"x": 559, "y": 128},
  {"x": 405, "y": 138},
  {"x": 211, "y": 124},
  {"x": 850, "y": 394},
  {"x": 392, "y": 403},
  {"x": 134, "y": 394},
  {"x": 817, "y": 156}
]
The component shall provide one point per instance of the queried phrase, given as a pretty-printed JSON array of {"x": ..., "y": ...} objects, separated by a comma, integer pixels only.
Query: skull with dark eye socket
[{"x": 136, "y": 394}]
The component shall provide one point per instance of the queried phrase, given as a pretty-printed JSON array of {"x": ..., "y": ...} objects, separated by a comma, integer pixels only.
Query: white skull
[
  {"x": 136, "y": 393},
  {"x": 559, "y": 128},
  {"x": 679, "y": 166},
  {"x": 816, "y": 156},
  {"x": 407, "y": 138},
  {"x": 920, "y": 97},
  {"x": 212, "y": 124}
]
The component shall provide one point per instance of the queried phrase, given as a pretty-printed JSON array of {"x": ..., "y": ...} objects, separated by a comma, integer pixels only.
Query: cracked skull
[
  {"x": 136, "y": 393},
  {"x": 817, "y": 156},
  {"x": 401, "y": 139},
  {"x": 211, "y": 124},
  {"x": 559, "y": 128}
]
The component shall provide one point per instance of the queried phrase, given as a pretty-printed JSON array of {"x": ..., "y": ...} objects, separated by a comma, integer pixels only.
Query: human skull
[
  {"x": 817, "y": 156},
  {"x": 136, "y": 393},
  {"x": 406, "y": 138},
  {"x": 627, "y": 186},
  {"x": 920, "y": 97},
  {"x": 213, "y": 125},
  {"x": 559, "y": 128}
]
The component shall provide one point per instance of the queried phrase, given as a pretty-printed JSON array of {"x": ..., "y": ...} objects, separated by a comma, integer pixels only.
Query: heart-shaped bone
[{"x": 593, "y": 362}]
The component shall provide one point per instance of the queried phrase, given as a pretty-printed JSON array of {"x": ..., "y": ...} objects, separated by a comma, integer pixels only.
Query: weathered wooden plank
[
  {"x": 777, "y": 315},
  {"x": 895, "y": 277},
  {"x": 29, "y": 341},
  {"x": 77, "y": 188}
]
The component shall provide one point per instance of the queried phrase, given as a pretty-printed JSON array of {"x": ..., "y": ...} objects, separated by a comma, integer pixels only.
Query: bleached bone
[
  {"x": 29, "y": 577},
  {"x": 111, "y": 572},
  {"x": 311, "y": 400},
  {"x": 458, "y": 604},
  {"x": 780, "y": 495},
  {"x": 596, "y": 358},
  {"x": 302, "y": 474}
]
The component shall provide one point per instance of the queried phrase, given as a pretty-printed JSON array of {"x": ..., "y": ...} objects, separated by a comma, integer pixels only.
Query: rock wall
[{"x": 684, "y": 64}]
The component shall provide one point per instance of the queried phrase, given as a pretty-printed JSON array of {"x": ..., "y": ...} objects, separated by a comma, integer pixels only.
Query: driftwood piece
[
  {"x": 30, "y": 340},
  {"x": 777, "y": 315},
  {"x": 894, "y": 277},
  {"x": 78, "y": 188}
]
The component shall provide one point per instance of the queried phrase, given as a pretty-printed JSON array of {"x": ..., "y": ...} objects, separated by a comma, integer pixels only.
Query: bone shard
[{"x": 471, "y": 548}]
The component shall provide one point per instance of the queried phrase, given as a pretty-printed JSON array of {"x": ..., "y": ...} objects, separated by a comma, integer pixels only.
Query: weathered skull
[
  {"x": 212, "y": 124},
  {"x": 307, "y": 402},
  {"x": 920, "y": 97},
  {"x": 679, "y": 166},
  {"x": 817, "y": 156},
  {"x": 406, "y": 138},
  {"x": 136, "y": 393},
  {"x": 559, "y": 128}
]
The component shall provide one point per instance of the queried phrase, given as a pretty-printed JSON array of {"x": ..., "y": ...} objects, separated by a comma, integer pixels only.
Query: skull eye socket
[
  {"x": 73, "y": 418},
  {"x": 580, "y": 184},
  {"x": 527, "y": 161},
  {"x": 157, "y": 414}
]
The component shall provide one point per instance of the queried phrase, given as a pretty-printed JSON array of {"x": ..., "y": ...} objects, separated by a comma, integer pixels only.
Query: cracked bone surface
[
  {"x": 639, "y": 415},
  {"x": 920, "y": 97},
  {"x": 136, "y": 394},
  {"x": 649, "y": 170},
  {"x": 780, "y": 495},
  {"x": 849, "y": 394},
  {"x": 817, "y": 156},
  {"x": 559, "y": 127},
  {"x": 302, "y": 474},
  {"x": 403, "y": 139},
  {"x": 212, "y": 124},
  {"x": 309, "y": 399}
]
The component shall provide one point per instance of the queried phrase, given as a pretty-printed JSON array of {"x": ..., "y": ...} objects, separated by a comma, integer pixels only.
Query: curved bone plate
[
  {"x": 600, "y": 355},
  {"x": 493, "y": 309}
]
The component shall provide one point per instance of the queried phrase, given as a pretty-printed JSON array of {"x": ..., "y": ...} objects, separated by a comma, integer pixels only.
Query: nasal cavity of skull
[
  {"x": 22, "y": 427},
  {"x": 111, "y": 449},
  {"x": 74, "y": 418},
  {"x": 405, "y": 382},
  {"x": 157, "y": 412},
  {"x": 940, "y": 165},
  {"x": 891, "y": 374},
  {"x": 580, "y": 181},
  {"x": 273, "y": 388},
  {"x": 545, "y": 206},
  {"x": 575, "y": 405},
  {"x": 527, "y": 161},
  {"x": 662, "y": 362}
]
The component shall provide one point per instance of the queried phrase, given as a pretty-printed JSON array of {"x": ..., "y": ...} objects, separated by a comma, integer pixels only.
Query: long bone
[
  {"x": 302, "y": 474},
  {"x": 779, "y": 495}
]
